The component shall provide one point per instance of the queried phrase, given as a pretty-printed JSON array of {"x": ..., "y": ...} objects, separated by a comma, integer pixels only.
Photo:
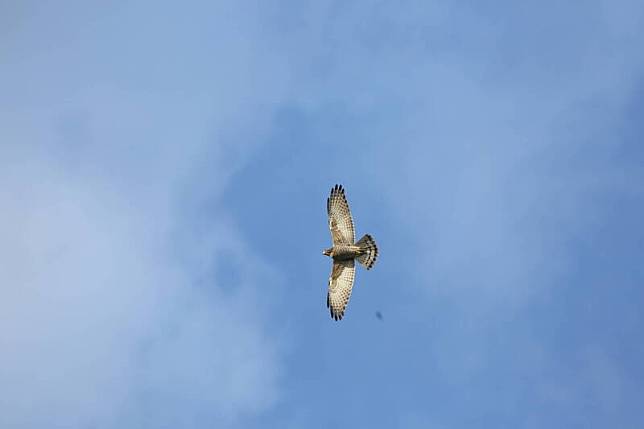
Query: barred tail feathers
[{"x": 368, "y": 245}]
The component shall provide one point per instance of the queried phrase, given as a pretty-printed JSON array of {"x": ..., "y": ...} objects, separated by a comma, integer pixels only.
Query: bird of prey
[{"x": 345, "y": 252}]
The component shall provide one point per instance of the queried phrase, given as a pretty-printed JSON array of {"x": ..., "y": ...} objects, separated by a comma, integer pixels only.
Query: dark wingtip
[{"x": 337, "y": 189}]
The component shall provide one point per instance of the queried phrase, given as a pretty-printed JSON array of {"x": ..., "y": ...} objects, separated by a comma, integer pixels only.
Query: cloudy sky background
[{"x": 163, "y": 176}]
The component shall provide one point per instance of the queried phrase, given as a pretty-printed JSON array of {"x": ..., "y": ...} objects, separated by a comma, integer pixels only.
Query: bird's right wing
[
  {"x": 340, "y": 220},
  {"x": 340, "y": 286}
]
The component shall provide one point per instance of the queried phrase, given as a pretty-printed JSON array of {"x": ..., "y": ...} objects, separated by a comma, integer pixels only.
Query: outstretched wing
[
  {"x": 340, "y": 220},
  {"x": 340, "y": 286}
]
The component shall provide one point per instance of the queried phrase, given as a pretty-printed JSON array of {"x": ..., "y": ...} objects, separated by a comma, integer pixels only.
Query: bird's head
[{"x": 327, "y": 252}]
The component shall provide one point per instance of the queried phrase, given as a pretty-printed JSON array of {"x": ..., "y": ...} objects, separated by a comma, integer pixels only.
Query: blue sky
[{"x": 164, "y": 170}]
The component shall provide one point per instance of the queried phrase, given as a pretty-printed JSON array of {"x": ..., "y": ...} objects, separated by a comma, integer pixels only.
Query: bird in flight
[{"x": 345, "y": 252}]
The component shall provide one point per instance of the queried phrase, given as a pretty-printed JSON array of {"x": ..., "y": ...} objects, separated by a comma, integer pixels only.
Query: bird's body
[{"x": 345, "y": 252}]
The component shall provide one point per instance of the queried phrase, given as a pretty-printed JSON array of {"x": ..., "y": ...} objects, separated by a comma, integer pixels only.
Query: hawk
[{"x": 345, "y": 252}]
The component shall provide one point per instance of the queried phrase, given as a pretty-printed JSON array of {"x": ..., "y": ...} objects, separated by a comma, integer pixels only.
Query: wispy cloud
[{"x": 113, "y": 309}]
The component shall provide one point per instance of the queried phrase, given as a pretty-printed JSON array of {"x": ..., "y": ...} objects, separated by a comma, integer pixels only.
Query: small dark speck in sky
[{"x": 379, "y": 315}]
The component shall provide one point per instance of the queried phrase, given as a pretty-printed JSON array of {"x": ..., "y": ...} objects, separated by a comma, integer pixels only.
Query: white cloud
[
  {"x": 99, "y": 313},
  {"x": 111, "y": 310}
]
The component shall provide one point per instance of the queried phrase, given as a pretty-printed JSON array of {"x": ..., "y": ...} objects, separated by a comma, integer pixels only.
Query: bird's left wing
[
  {"x": 340, "y": 286},
  {"x": 340, "y": 219}
]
